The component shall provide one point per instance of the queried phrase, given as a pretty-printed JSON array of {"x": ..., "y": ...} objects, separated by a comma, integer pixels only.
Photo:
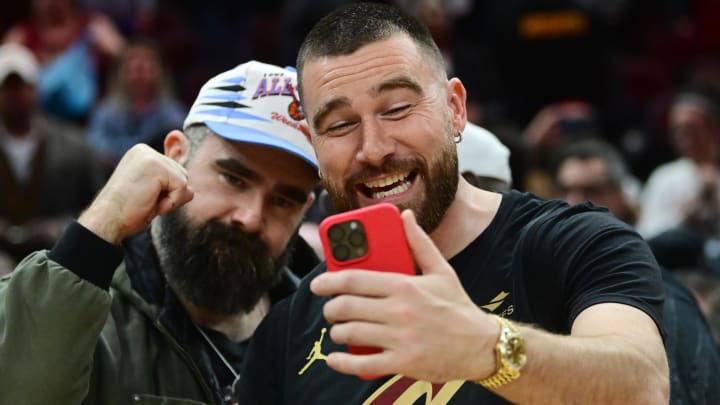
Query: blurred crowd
[{"x": 613, "y": 101}]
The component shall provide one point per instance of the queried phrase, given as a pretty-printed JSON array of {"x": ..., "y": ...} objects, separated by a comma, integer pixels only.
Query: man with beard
[
  {"x": 203, "y": 233},
  {"x": 384, "y": 119}
]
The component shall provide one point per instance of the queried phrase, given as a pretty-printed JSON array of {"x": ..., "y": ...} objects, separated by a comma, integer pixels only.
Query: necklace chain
[{"x": 215, "y": 349}]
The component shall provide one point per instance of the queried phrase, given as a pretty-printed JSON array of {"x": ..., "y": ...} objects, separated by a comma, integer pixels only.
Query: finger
[
  {"x": 359, "y": 282},
  {"x": 174, "y": 199},
  {"x": 427, "y": 256},
  {"x": 176, "y": 191},
  {"x": 366, "y": 334},
  {"x": 344, "y": 308},
  {"x": 378, "y": 364}
]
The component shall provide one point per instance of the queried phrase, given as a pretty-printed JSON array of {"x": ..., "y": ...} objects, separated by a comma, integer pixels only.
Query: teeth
[
  {"x": 395, "y": 190},
  {"x": 387, "y": 180}
]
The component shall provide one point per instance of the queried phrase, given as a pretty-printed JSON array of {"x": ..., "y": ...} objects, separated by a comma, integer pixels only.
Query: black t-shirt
[{"x": 540, "y": 262}]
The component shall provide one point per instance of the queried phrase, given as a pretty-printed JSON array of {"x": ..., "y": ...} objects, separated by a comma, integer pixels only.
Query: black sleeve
[
  {"x": 87, "y": 255},
  {"x": 594, "y": 258},
  {"x": 261, "y": 380}
]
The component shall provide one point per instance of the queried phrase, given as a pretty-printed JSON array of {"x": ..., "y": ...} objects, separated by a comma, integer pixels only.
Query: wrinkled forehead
[
  {"x": 365, "y": 71},
  {"x": 396, "y": 49}
]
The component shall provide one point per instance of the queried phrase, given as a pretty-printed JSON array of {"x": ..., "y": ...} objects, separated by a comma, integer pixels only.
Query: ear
[
  {"x": 457, "y": 101},
  {"x": 177, "y": 146},
  {"x": 309, "y": 202}
]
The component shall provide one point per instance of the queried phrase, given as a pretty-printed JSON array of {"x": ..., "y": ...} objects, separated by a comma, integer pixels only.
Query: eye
[
  {"x": 233, "y": 180},
  {"x": 282, "y": 202},
  {"x": 339, "y": 128},
  {"x": 397, "y": 111}
]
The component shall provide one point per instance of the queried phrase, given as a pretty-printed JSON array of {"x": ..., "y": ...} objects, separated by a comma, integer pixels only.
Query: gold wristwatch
[{"x": 509, "y": 354}]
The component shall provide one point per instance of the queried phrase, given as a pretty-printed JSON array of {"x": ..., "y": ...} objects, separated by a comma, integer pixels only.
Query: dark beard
[
  {"x": 214, "y": 266},
  {"x": 441, "y": 183}
]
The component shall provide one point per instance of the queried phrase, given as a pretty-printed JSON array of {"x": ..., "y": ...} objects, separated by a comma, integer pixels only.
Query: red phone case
[{"x": 387, "y": 247}]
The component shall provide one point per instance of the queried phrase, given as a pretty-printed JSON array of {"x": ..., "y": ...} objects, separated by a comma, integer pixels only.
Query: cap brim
[{"x": 251, "y": 135}]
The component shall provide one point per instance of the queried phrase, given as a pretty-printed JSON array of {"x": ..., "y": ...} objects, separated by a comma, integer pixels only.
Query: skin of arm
[{"x": 614, "y": 354}]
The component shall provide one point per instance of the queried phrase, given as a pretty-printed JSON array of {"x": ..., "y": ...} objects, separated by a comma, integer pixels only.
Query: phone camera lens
[
  {"x": 357, "y": 238},
  {"x": 341, "y": 252},
  {"x": 336, "y": 233}
]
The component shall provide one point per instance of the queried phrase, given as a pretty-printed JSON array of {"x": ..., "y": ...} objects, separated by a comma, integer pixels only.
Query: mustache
[{"x": 215, "y": 231}]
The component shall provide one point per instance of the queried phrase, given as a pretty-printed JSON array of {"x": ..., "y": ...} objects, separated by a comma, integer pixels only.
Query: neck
[
  {"x": 237, "y": 327},
  {"x": 468, "y": 216}
]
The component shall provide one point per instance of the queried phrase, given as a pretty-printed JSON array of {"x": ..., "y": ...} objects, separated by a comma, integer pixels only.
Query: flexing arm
[
  {"x": 613, "y": 355},
  {"x": 144, "y": 185}
]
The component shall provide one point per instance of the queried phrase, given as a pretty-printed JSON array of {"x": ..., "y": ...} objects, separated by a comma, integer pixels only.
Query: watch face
[{"x": 515, "y": 355}]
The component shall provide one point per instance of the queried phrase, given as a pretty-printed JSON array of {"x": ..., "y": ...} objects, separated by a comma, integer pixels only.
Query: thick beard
[
  {"x": 441, "y": 182},
  {"x": 214, "y": 266}
]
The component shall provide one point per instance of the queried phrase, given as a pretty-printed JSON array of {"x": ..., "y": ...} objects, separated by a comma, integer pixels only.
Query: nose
[
  {"x": 248, "y": 214},
  {"x": 376, "y": 144}
]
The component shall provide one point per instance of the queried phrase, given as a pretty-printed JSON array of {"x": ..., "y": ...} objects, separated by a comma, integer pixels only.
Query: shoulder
[
  {"x": 528, "y": 209},
  {"x": 677, "y": 170}
]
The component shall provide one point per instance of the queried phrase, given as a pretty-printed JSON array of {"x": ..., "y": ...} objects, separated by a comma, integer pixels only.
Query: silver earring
[{"x": 458, "y": 137}]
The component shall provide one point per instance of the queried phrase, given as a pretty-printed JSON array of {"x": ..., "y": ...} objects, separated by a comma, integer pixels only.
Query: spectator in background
[
  {"x": 47, "y": 172},
  {"x": 672, "y": 188},
  {"x": 140, "y": 106},
  {"x": 73, "y": 47},
  {"x": 592, "y": 170},
  {"x": 554, "y": 126}
]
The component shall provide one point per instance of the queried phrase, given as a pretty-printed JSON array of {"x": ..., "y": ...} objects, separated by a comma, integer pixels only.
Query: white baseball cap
[
  {"x": 483, "y": 154},
  {"x": 15, "y": 58},
  {"x": 254, "y": 102}
]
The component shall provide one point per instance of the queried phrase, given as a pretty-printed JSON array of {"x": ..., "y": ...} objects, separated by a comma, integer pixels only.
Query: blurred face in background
[
  {"x": 694, "y": 132},
  {"x": 140, "y": 72},
  {"x": 17, "y": 102},
  {"x": 582, "y": 180}
]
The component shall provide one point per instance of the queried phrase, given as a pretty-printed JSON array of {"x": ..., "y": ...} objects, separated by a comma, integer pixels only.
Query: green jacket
[{"x": 64, "y": 340}]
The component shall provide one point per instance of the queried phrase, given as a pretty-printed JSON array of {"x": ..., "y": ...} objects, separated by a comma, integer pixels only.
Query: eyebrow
[
  {"x": 237, "y": 168},
  {"x": 326, "y": 108},
  {"x": 401, "y": 82}
]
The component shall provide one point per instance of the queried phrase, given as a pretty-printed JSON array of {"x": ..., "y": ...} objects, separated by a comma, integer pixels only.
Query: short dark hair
[
  {"x": 616, "y": 169},
  {"x": 700, "y": 100},
  {"x": 347, "y": 29}
]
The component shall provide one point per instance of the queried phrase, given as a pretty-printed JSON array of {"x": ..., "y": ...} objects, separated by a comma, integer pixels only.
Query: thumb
[{"x": 427, "y": 256}]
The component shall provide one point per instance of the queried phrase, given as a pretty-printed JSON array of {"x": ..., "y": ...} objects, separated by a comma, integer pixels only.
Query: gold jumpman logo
[{"x": 315, "y": 352}]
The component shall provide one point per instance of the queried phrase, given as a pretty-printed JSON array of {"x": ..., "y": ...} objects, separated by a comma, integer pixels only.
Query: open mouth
[{"x": 387, "y": 186}]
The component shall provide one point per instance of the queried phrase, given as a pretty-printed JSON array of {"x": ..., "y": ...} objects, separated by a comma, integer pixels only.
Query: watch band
[{"x": 507, "y": 341}]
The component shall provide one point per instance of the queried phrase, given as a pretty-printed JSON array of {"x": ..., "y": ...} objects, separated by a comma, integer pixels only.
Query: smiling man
[
  {"x": 384, "y": 120},
  {"x": 152, "y": 294}
]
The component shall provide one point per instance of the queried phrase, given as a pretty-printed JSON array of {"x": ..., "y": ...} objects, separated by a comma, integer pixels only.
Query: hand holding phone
[{"x": 369, "y": 238}]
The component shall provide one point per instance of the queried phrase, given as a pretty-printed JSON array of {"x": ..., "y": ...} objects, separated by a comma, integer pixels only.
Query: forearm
[{"x": 607, "y": 369}]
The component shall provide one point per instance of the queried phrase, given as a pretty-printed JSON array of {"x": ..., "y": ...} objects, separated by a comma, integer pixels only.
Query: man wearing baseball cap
[
  {"x": 43, "y": 183},
  {"x": 153, "y": 292}
]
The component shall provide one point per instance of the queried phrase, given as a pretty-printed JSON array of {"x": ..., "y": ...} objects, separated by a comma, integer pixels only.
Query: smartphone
[{"x": 370, "y": 238}]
